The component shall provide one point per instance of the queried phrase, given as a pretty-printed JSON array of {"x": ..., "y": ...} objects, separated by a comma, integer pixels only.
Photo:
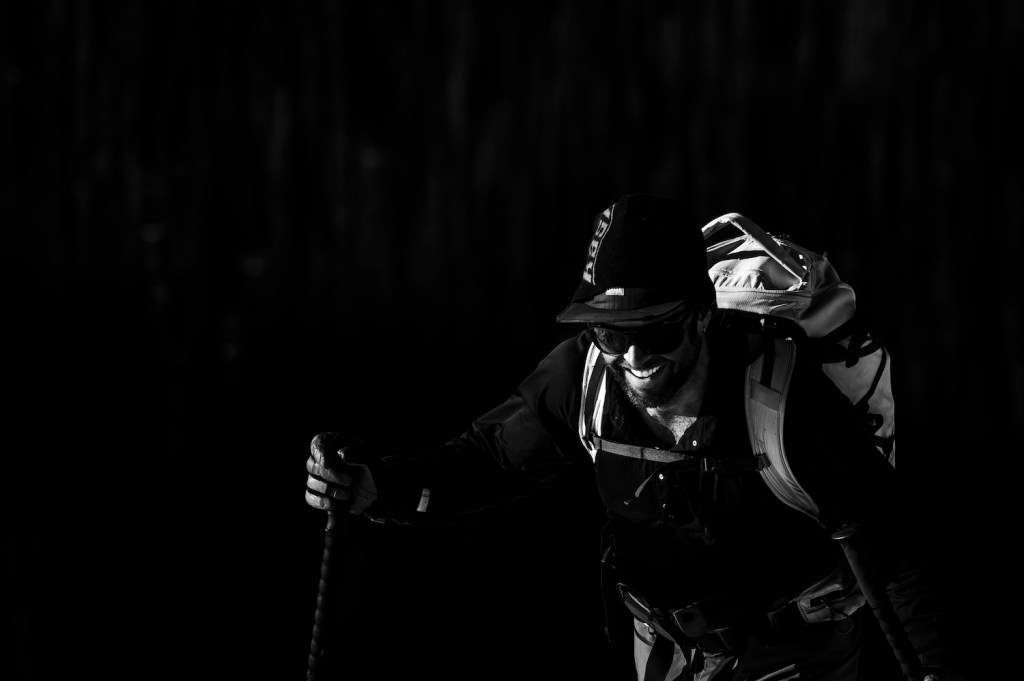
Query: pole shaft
[
  {"x": 850, "y": 539},
  {"x": 316, "y": 649}
]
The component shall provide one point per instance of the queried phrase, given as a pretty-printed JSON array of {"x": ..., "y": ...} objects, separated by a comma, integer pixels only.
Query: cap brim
[{"x": 588, "y": 314}]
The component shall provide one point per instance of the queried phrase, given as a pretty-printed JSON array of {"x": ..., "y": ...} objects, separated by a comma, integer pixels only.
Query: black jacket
[{"x": 678, "y": 534}]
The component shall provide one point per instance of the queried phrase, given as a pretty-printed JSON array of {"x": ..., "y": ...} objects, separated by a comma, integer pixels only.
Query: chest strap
[
  {"x": 638, "y": 452},
  {"x": 709, "y": 464}
]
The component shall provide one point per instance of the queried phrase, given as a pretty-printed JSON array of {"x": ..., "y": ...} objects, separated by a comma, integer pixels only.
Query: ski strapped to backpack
[{"x": 791, "y": 298}]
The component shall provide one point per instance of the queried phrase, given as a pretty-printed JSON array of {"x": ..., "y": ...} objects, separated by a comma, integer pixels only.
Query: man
[{"x": 722, "y": 579}]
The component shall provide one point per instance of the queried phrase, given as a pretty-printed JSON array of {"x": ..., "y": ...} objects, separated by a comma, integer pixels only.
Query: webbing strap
[
  {"x": 708, "y": 464},
  {"x": 638, "y": 452},
  {"x": 862, "y": 404},
  {"x": 660, "y": 660},
  {"x": 886, "y": 445}
]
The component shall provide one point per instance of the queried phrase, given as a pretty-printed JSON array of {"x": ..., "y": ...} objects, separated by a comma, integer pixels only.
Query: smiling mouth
[{"x": 644, "y": 373}]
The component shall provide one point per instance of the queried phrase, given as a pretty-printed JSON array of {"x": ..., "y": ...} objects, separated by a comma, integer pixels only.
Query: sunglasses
[{"x": 658, "y": 339}]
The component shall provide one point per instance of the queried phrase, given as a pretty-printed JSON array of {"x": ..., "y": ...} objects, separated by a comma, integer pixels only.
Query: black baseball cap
[{"x": 645, "y": 261}]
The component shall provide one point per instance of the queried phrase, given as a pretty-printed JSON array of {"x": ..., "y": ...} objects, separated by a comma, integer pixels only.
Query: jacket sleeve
[
  {"x": 527, "y": 441},
  {"x": 852, "y": 482}
]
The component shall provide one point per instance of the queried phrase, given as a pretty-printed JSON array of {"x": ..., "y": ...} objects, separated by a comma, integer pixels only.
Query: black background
[{"x": 228, "y": 226}]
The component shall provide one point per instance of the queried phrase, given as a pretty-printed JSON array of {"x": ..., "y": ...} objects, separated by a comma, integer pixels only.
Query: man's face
[{"x": 651, "y": 379}]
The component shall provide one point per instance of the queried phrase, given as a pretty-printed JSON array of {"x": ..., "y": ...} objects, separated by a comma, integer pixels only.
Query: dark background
[{"x": 228, "y": 226}]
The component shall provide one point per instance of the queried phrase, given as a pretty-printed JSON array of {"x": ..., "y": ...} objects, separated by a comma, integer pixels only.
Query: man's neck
[{"x": 680, "y": 412}]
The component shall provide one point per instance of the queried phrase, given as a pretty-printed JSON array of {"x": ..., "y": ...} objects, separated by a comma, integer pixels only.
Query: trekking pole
[
  {"x": 335, "y": 528},
  {"x": 850, "y": 538}
]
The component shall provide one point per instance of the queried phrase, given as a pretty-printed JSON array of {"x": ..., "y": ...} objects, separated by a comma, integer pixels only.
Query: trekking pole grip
[
  {"x": 850, "y": 538},
  {"x": 335, "y": 528}
]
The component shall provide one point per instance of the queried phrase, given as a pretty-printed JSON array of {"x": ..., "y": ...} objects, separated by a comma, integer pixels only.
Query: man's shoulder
[
  {"x": 557, "y": 377},
  {"x": 566, "y": 358},
  {"x": 732, "y": 351}
]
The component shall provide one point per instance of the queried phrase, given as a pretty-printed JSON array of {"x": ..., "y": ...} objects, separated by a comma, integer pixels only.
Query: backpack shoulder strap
[
  {"x": 592, "y": 400},
  {"x": 765, "y": 391}
]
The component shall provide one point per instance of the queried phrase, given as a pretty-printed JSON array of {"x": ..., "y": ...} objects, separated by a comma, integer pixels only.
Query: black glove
[
  {"x": 349, "y": 474},
  {"x": 339, "y": 474}
]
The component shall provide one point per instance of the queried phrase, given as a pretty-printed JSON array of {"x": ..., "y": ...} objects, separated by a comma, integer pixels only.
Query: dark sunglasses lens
[
  {"x": 611, "y": 341},
  {"x": 661, "y": 339},
  {"x": 658, "y": 339}
]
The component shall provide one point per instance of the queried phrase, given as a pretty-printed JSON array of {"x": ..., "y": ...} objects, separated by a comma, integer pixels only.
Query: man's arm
[{"x": 507, "y": 453}]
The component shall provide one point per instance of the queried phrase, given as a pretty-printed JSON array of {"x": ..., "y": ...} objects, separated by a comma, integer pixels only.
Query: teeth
[{"x": 644, "y": 373}]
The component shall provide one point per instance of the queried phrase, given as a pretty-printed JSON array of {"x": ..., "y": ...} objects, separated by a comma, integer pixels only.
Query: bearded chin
[{"x": 651, "y": 400}]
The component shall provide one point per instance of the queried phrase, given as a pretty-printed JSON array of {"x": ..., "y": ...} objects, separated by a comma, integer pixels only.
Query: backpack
[{"x": 790, "y": 298}]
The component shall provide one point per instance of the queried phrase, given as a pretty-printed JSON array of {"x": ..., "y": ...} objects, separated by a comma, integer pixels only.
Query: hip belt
[
  {"x": 688, "y": 627},
  {"x": 723, "y": 625}
]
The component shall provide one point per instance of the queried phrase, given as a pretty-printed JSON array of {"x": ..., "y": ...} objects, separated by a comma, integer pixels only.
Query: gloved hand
[{"x": 339, "y": 474}]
